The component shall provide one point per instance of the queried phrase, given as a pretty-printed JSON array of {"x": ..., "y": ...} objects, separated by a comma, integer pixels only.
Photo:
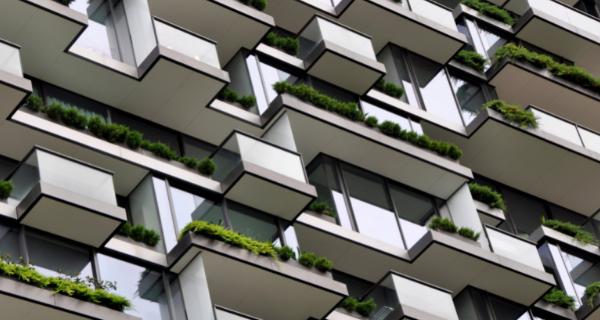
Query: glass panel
[
  {"x": 357, "y": 287},
  {"x": 476, "y": 39},
  {"x": 251, "y": 222},
  {"x": 414, "y": 212},
  {"x": 490, "y": 41},
  {"x": 384, "y": 115},
  {"x": 366, "y": 187},
  {"x": 223, "y": 314},
  {"x": 515, "y": 249},
  {"x": 342, "y": 210},
  {"x": 591, "y": 140},
  {"x": 85, "y": 106},
  {"x": 435, "y": 88},
  {"x": 187, "y": 44},
  {"x": 142, "y": 205},
  {"x": 461, "y": 25},
  {"x": 567, "y": 14},
  {"x": 190, "y": 207},
  {"x": 151, "y": 132},
  {"x": 525, "y": 211},
  {"x": 466, "y": 306},
  {"x": 566, "y": 215},
  {"x": 332, "y": 91},
  {"x": 49, "y": 255},
  {"x": 24, "y": 179},
  {"x": 317, "y": 178},
  {"x": 259, "y": 90},
  {"x": 143, "y": 287},
  {"x": 177, "y": 298},
  {"x": 197, "y": 148},
  {"x": 583, "y": 271},
  {"x": 348, "y": 39},
  {"x": 557, "y": 127},
  {"x": 469, "y": 96},
  {"x": 292, "y": 240},
  {"x": 141, "y": 28},
  {"x": 100, "y": 35},
  {"x": 309, "y": 39},
  {"x": 10, "y": 60},
  {"x": 504, "y": 309},
  {"x": 550, "y": 253},
  {"x": 122, "y": 31},
  {"x": 76, "y": 177},
  {"x": 240, "y": 78},
  {"x": 166, "y": 217},
  {"x": 385, "y": 297},
  {"x": 434, "y": 12},
  {"x": 271, "y": 75},
  {"x": 9, "y": 242}
]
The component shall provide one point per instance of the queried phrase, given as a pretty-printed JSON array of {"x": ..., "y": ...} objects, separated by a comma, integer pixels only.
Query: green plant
[
  {"x": 308, "y": 259},
  {"x": 398, "y": 1},
  {"x": 137, "y": 233},
  {"x": 472, "y": 59},
  {"x": 443, "y": 224},
  {"x": 189, "y": 162},
  {"x": 285, "y": 253},
  {"x": 572, "y": 230},
  {"x": 207, "y": 166},
  {"x": 560, "y": 298},
  {"x": 228, "y": 236},
  {"x": 365, "y": 308},
  {"x": 151, "y": 237},
  {"x": 54, "y": 110},
  {"x": 487, "y": 195},
  {"x": 571, "y": 73},
  {"x": 490, "y": 10},
  {"x": 289, "y": 45},
  {"x": 469, "y": 233},
  {"x": 133, "y": 139},
  {"x": 322, "y": 208},
  {"x": 96, "y": 124},
  {"x": 65, "y": 2},
  {"x": 247, "y": 102},
  {"x": 258, "y": 4},
  {"x": 592, "y": 292},
  {"x": 34, "y": 102},
  {"x": 115, "y": 132},
  {"x": 6, "y": 188},
  {"x": 389, "y": 88},
  {"x": 513, "y": 113},
  {"x": 140, "y": 233},
  {"x": 372, "y": 121},
  {"x": 125, "y": 229},
  {"x": 160, "y": 149},
  {"x": 390, "y": 128},
  {"x": 322, "y": 264},
  {"x": 349, "y": 304}
]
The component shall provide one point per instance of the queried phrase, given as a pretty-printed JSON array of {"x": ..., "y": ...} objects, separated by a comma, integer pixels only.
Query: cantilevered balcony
[
  {"x": 339, "y": 55},
  {"x": 262, "y": 175},
  {"x": 64, "y": 196},
  {"x": 240, "y": 280},
  {"x": 13, "y": 87},
  {"x": 559, "y": 28}
]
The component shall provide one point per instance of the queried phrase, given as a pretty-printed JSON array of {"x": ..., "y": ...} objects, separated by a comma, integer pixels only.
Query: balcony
[
  {"x": 226, "y": 314},
  {"x": 13, "y": 87},
  {"x": 262, "y": 175},
  {"x": 64, "y": 196},
  {"x": 231, "y": 23},
  {"x": 543, "y": 234},
  {"x": 292, "y": 291},
  {"x": 557, "y": 27},
  {"x": 339, "y": 55}
]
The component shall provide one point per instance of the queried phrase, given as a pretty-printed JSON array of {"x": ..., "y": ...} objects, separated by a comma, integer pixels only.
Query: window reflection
[
  {"x": 414, "y": 213},
  {"x": 470, "y": 97},
  {"x": 190, "y": 207},
  {"x": 384, "y": 115},
  {"x": 166, "y": 216},
  {"x": 50, "y": 254},
  {"x": 251, "y": 222},
  {"x": 271, "y": 75}
]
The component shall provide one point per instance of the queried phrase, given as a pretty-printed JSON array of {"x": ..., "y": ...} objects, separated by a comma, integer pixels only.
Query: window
[
  {"x": 252, "y": 223},
  {"x": 474, "y": 304},
  {"x": 190, "y": 207},
  {"x": 357, "y": 287},
  {"x": 470, "y": 97},
  {"x": 588, "y": 7},
  {"x": 481, "y": 38}
]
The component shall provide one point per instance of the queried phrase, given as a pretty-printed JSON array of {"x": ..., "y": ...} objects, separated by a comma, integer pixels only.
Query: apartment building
[{"x": 299, "y": 159}]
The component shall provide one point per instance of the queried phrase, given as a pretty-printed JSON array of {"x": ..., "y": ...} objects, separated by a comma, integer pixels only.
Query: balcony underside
[
  {"x": 293, "y": 15},
  {"x": 291, "y": 290},
  {"x": 13, "y": 90}
]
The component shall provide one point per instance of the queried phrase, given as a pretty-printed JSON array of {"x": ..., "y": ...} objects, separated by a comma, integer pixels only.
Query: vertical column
[
  {"x": 281, "y": 134},
  {"x": 464, "y": 214},
  {"x": 194, "y": 288}
]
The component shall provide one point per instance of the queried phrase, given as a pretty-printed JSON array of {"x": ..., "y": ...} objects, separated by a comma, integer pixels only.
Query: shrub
[
  {"x": 572, "y": 230},
  {"x": 472, "y": 59},
  {"x": 54, "y": 110},
  {"x": 454, "y": 152},
  {"x": 160, "y": 149},
  {"x": 228, "y": 236},
  {"x": 318, "y": 207},
  {"x": 191, "y": 163},
  {"x": 207, "y": 166},
  {"x": 258, "y": 4},
  {"x": 66, "y": 2},
  {"x": 443, "y": 224},
  {"x": 133, "y": 139},
  {"x": 230, "y": 95},
  {"x": 115, "y": 132},
  {"x": 366, "y": 308},
  {"x": 126, "y": 229},
  {"x": 372, "y": 121},
  {"x": 6, "y": 188},
  {"x": 289, "y": 45},
  {"x": 513, "y": 113},
  {"x": 96, "y": 126},
  {"x": 490, "y": 10},
  {"x": 349, "y": 304},
  {"x": 389, "y": 88},
  {"x": 423, "y": 141},
  {"x": 391, "y": 129},
  {"x": 285, "y": 253},
  {"x": 137, "y": 233},
  {"x": 469, "y": 233},
  {"x": 151, "y": 237},
  {"x": 322, "y": 264},
  {"x": 308, "y": 259},
  {"x": 592, "y": 292},
  {"x": 487, "y": 195},
  {"x": 559, "y": 298},
  {"x": 34, "y": 102}
]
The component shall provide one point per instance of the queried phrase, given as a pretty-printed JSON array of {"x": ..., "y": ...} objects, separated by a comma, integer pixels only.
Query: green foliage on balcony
[
  {"x": 289, "y": 45},
  {"x": 572, "y": 73},
  {"x": 247, "y": 102},
  {"x": 310, "y": 260},
  {"x": 89, "y": 289},
  {"x": 351, "y": 111},
  {"x": 260, "y": 5},
  {"x": 592, "y": 292},
  {"x": 286, "y": 253},
  {"x": 140, "y": 233},
  {"x": 323, "y": 264},
  {"x": 65, "y": 2},
  {"x": 389, "y": 88},
  {"x": 472, "y": 59},
  {"x": 560, "y": 298},
  {"x": 486, "y": 195},
  {"x": 363, "y": 308},
  {"x": 449, "y": 226},
  {"x": 34, "y": 102},
  {"x": 6, "y": 188},
  {"x": 490, "y": 10},
  {"x": 322, "y": 208},
  {"x": 228, "y": 236},
  {"x": 513, "y": 113},
  {"x": 571, "y": 230},
  {"x": 207, "y": 166}
]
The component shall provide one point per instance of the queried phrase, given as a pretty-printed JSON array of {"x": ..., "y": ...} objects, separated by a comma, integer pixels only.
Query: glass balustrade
[
  {"x": 512, "y": 247},
  {"x": 433, "y": 12},
  {"x": 60, "y": 171},
  {"x": 226, "y": 314},
  {"x": 10, "y": 60},
  {"x": 563, "y": 12},
  {"x": 240, "y": 147},
  {"x": 395, "y": 290}
]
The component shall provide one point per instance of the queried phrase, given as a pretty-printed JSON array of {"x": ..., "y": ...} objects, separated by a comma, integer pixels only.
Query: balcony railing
[
  {"x": 10, "y": 60},
  {"x": 565, "y": 13},
  {"x": 433, "y": 11},
  {"x": 226, "y": 314},
  {"x": 514, "y": 247}
]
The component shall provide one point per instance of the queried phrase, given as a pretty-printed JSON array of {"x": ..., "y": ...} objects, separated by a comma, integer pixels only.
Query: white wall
[
  {"x": 195, "y": 291},
  {"x": 464, "y": 214}
]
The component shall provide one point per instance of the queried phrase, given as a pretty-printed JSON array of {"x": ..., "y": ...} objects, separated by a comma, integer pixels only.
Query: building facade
[{"x": 299, "y": 159}]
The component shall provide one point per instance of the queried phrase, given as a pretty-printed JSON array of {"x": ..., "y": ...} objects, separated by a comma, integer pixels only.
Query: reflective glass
[
  {"x": 240, "y": 78},
  {"x": 7, "y": 166},
  {"x": 357, "y": 287},
  {"x": 490, "y": 40},
  {"x": 187, "y": 44},
  {"x": 342, "y": 210},
  {"x": 197, "y": 148},
  {"x": 421, "y": 297},
  {"x": 166, "y": 216},
  {"x": 557, "y": 127},
  {"x": 26, "y": 176},
  {"x": 139, "y": 20},
  {"x": 506, "y": 310},
  {"x": 177, "y": 298},
  {"x": 514, "y": 248},
  {"x": 190, "y": 207},
  {"x": 271, "y": 75},
  {"x": 151, "y": 131},
  {"x": 591, "y": 140},
  {"x": 251, "y": 222},
  {"x": 317, "y": 178},
  {"x": 384, "y": 115},
  {"x": 9, "y": 242},
  {"x": 561, "y": 273},
  {"x": 49, "y": 254},
  {"x": 348, "y": 39},
  {"x": 10, "y": 60},
  {"x": 434, "y": 12},
  {"x": 525, "y": 211},
  {"x": 469, "y": 96},
  {"x": 583, "y": 271},
  {"x": 414, "y": 212},
  {"x": 292, "y": 239},
  {"x": 85, "y": 106},
  {"x": 476, "y": 38},
  {"x": 144, "y": 210},
  {"x": 259, "y": 90}
]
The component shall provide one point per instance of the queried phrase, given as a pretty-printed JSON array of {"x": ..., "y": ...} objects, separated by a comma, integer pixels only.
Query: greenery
[
  {"x": 308, "y": 259},
  {"x": 571, "y": 73},
  {"x": 228, "y": 236},
  {"x": 289, "y": 45},
  {"x": 363, "y": 308},
  {"x": 247, "y": 102},
  {"x": 285, "y": 253},
  {"x": 449, "y": 226},
  {"x": 469, "y": 233},
  {"x": 513, "y": 113},
  {"x": 560, "y": 298},
  {"x": 389, "y": 88},
  {"x": 592, "y": 292},
  {"x": 115, "y": 133},
  {"x": 6, "y": 188},
  {"x": 88, "y": 289},
  {"x": 487, "y": 195},
  {"x": 323, "y": 264},
  {"x": 351, "y": 111},
  {"x": 472, "y": 59},
  {"x": 372, "y": 121},
  {"x": 65, "y": 2},
  {"x": 490, "y": 10},
  {"x": 140, "y": 233},
  {"x": 572, "y": 230},
  {"x": 322, "y": 208},
  {"x": 260, "y": 5}
]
